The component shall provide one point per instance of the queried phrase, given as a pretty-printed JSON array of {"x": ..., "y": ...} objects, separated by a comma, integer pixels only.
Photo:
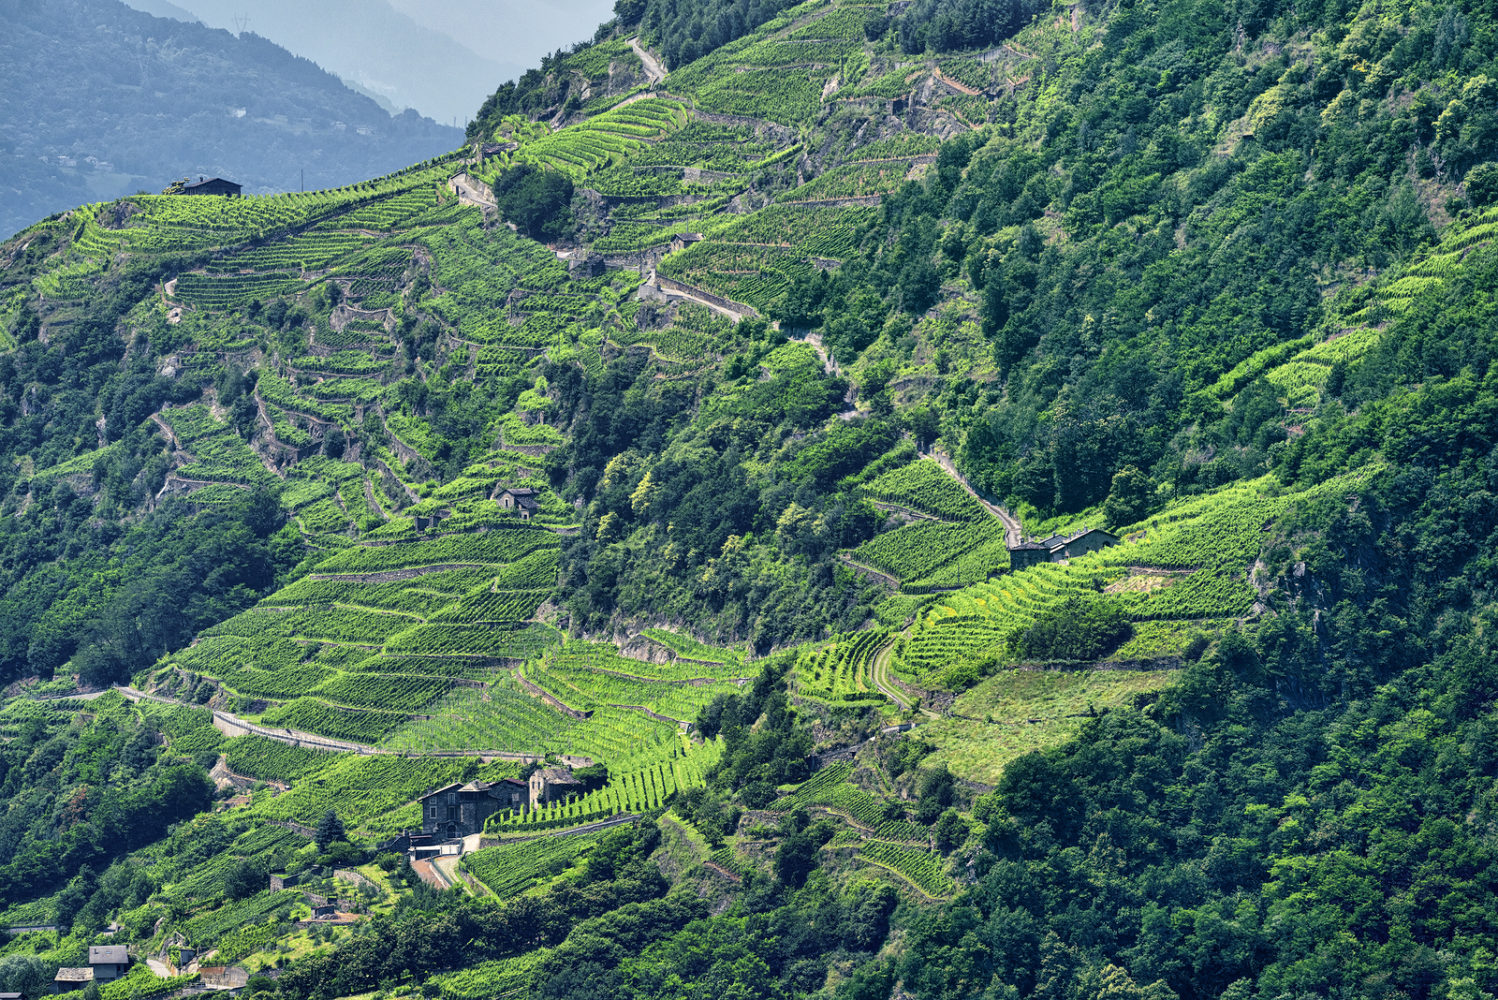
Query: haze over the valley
[{"x": 440, "y": 57}]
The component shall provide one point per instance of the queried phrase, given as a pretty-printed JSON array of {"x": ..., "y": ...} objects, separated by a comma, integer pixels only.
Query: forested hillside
[
  {"x": 104, "y": 101},
  {"x": 956, "y": 499}
]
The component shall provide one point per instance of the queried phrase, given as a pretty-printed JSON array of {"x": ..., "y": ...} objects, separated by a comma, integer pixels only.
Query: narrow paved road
[
  {"x": 653, "y": 68},
  {"x": 295, "y": 738},
  {"x": 1014, "y": 532},
  {"x": 469, "y": 190}
]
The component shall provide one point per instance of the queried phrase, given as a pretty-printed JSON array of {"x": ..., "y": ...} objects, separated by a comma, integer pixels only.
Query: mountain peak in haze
[{"x": 441, "y": 57}]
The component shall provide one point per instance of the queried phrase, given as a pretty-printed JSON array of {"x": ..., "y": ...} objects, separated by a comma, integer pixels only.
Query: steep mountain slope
[
  {"x": 718, "y": 488},
  {"x": 104, "y": 100}
]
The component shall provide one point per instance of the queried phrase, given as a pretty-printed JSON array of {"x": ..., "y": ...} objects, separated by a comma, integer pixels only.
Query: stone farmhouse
[
  {"x": 522, "y": 500},
  {"x": 552, "y": 784},
  {"x": 1059, "y": 548},
  {"x": 458, "y": 810}
]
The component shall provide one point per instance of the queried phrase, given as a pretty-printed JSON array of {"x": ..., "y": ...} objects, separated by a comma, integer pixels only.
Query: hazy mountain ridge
[
  {"x": 440, "y": 58},
  {"x": 105, "y": 100}
]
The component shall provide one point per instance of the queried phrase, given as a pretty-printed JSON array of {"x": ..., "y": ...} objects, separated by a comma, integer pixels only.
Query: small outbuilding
[
  {"x": 588, "y": 265},
  {"x": 224, "y": 977},
  {"x": 1059, "y": 547},
  {"x": 1027, "y": 554},
  {"x": 69, "y": 979}
]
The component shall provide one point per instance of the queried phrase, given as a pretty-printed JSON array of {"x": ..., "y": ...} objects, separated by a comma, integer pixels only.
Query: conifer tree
[{"x": 329, "y": 829}]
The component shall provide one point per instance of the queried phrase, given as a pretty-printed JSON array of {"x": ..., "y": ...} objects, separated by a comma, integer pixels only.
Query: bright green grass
[{"x": 1021, "y": 711}]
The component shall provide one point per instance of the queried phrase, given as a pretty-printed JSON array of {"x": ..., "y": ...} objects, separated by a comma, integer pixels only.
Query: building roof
[
  {"x": 557, "y": 776},
  {"x": 1028, "y": 547},
  {"x": 438, "y": 791},
  {"x": 83, "y": 975},
  {"x": 1056, "y": 541},
  {"x": 108, "y": 954},
  {"x": 205, "y": 181},
  {"x": 521, "y": 491}
]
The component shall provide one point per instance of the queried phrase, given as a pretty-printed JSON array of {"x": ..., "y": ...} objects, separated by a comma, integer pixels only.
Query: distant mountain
[
  {"x": 441, "y": 59},
  {"x": 165, "y": 8},
  {"x": 102, "y": 100}
]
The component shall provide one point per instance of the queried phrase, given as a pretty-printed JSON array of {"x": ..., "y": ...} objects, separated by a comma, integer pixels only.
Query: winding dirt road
[
  {"x": 653, "y": 68},
  {"x": 880, "y": 674},
  {"x": 1014, "y": 532}
]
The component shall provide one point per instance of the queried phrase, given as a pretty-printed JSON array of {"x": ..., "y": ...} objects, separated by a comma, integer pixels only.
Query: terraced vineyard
[
  {"x": 923, "y": 487},
  {"x": 1103, "y": 271},
  {"x": 219, "y": 455},
  {"x": 507, "y": 979},
  {"x": 637, "y": 784},
  {"x": 840, "y": 674},
  {"x": 922, "y": 869},
  {"x": 605, "y": 139},
  {"x": 374, "y": 794},
  {"x": 950, "y": 540},
  {"x": 1203, "y": 547},
  {"x": 875, "y": 828},
  {"x": 512, "y": 869},
  {"x": 378, "y": 634},
  {"x": 580, "y": 698},
  {"x": 914, "y": 551}
]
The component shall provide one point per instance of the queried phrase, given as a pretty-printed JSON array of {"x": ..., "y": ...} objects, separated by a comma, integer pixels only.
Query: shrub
[{"x": 1083, "y": 628}]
